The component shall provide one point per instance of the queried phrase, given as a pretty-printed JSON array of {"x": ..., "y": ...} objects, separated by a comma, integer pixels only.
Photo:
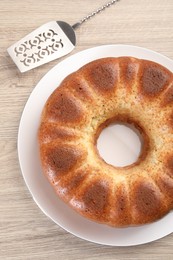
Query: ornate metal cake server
[{"x": 50, "y": 41}]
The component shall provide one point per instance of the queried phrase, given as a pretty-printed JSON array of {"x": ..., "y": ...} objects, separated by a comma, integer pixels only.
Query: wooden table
[{"x": 25, "y": 232}]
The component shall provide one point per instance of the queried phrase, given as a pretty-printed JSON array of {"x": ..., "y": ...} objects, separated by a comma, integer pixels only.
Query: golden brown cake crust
[{"x": 105, "y": 91}]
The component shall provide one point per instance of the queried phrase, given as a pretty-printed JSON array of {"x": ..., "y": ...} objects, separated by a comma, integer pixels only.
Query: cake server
[{"x": 49, "y": 42}]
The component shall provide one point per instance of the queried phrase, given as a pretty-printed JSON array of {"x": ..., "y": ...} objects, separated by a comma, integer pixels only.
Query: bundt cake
[{"x": 105, "y": 91}]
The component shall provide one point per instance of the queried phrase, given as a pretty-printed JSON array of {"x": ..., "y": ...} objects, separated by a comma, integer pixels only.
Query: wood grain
[{"x": 25, "y": 232}]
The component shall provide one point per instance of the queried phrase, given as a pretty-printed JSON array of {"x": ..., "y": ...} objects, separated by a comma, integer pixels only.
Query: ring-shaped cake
[{"x": 105, "y": 91}]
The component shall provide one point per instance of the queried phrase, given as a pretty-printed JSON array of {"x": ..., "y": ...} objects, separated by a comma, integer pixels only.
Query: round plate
[{"x": 43, "y": 194}]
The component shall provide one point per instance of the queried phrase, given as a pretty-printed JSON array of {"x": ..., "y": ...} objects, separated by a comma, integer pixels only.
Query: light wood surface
[{"x": 25, "y": 232}]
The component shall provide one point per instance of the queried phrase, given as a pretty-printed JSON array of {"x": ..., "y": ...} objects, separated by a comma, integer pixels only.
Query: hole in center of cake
[{"x": 120, "y": 144}]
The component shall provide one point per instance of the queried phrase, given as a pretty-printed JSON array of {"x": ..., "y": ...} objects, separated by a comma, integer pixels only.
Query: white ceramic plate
[{"x": 39, "y": 187}]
